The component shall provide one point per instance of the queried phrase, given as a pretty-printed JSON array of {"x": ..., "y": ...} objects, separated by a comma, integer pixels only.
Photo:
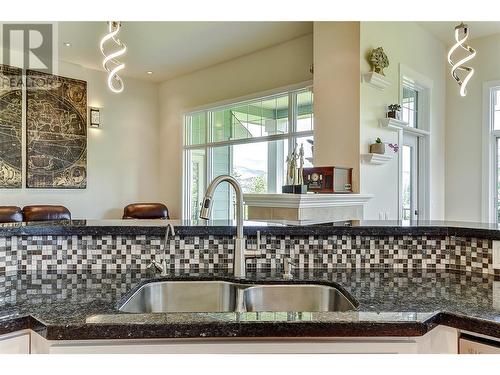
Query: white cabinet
[
  {"x": 440, "y": 340},
  {"x": 477, "y": 344},
  {"x": 15, "y": 343},
  {"x": 207, "y": 346}
]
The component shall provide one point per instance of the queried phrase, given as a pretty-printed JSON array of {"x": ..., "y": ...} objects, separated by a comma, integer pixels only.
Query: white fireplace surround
[{"x": 306, "y": 208}]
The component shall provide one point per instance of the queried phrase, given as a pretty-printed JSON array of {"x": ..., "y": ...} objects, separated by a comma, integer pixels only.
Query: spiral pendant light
[
  {"x": 461, "y": 35},
  {"x": 110, "y": 62}
]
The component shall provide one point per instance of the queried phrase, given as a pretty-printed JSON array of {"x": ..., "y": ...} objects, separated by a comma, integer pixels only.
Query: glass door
[{"x": 410, "y": 177}]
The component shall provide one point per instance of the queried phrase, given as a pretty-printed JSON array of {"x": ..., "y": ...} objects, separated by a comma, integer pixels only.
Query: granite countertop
[
  {"x": 83, "y": 305},
  {"x": 227, "y": 228}
]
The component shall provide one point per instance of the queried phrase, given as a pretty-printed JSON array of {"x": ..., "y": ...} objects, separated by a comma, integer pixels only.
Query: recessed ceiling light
[
  {"x": 67, "y": 44},
  {"x": 149, "y": 72}
]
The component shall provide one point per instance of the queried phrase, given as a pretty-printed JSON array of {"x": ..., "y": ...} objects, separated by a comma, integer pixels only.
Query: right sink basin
[{"x": 298, "y": 297}]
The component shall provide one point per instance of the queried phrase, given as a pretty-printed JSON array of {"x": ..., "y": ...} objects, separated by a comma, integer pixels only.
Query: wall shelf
[
  {"x": 376, "y": 80},
  {"x": 396, "y": 125},
  {"x": 392, "y": 123},
  {"x": 376, "y": 159}
]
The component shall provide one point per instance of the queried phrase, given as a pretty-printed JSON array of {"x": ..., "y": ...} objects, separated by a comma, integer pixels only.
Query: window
[
  {"x": 410, "y": 161},
  {"x": 497, "y": 180},
  {"x": 413, "y": 139},
  {"x": 409, "y": 151},
  {"x": 248, "y": 140},
  {"x": 409, "y": 107},
  {"x": 496, "y": 140},
  {"x": 491, "y": 158},
  {"x": 496, "y": 108}
]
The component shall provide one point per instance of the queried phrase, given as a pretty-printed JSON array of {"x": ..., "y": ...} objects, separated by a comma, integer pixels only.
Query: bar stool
[
  {"x": 45, "y": 213},
  {"x": 11, "y": 214},
  {"x": 145, "y": 211}
]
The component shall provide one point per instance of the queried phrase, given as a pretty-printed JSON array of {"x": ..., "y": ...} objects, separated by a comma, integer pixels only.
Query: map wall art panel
[
  {"x": 56, "y": 126},
  {"x": 10, "y": 127}
]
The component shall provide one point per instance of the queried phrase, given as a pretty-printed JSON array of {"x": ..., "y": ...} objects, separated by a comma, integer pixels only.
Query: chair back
[
  {"x": 11, "y": 214},
  {"x": 45, "y": 213},
  {"x": 145, "y": 211}
]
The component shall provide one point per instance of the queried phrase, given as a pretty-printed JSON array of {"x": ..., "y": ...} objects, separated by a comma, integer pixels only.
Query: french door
[{"x": 410, "y": 177}]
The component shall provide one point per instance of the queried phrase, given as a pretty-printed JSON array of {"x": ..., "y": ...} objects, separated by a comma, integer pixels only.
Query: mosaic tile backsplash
[{"x": 214, "y": 253}]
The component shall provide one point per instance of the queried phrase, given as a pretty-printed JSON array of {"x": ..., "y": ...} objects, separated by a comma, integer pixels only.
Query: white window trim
[
  {"x": 258, "y": 95},
  {"x": 422, "y": 82},
  {"x": 184, "y": 165},
  {"x": 489, "y": 173}
]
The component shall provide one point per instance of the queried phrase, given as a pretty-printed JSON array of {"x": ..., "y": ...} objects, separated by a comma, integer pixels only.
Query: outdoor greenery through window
[{"x": 248, "y": 140}]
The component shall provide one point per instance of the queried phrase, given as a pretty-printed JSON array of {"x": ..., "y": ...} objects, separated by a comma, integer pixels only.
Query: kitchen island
[{"x": 63, "y": 283}]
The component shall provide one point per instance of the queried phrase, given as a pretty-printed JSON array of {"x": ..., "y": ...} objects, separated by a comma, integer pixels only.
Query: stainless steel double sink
[{"x": 223, "y": 296}]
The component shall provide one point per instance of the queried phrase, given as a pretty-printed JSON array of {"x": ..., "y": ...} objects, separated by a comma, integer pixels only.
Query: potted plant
[
  {"x": 394, "y": 111},
  {"x": 378, "y": 147}
]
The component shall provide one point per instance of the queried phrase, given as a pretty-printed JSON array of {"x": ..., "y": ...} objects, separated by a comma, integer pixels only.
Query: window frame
[
  {"x": 489, "y": 211},
  {"x": 208, "y": 146},
  {"x": 410, "y": 85},
  {"x": 424, "y": 85}
]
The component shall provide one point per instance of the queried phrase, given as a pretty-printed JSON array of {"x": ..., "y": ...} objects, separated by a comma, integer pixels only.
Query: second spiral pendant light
[
  {"x": 460, "y": 72},
  {"x": 112, "y": 49}
]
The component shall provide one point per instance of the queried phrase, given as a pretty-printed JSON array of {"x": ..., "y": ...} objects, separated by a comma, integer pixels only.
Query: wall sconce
[{"x": 95, "y": 118}]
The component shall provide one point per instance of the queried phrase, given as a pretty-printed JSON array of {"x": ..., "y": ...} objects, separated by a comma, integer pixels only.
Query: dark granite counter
[
  {"x": 227, "y": 228},
  {"x": 83, "y": 305}
]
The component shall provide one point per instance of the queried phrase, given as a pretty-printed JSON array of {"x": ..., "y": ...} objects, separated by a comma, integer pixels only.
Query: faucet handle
[
  {"x": 288, "y": 265},
  {"x": 156, "y": 266},
  {"x": 164, "y": 262}
]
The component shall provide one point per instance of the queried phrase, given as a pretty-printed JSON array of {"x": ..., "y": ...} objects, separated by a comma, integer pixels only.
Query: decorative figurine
[
  {"x": 301, "y": 167},
  {"x": 294, "y": 173},
  {"x": 288, "y": 170},
  {"x": 378, "y": 60},
  {"x": 293, "y": 167}
]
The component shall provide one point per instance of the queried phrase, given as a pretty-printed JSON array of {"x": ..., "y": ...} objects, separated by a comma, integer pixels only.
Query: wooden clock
[{"x": 328, "y": 179}]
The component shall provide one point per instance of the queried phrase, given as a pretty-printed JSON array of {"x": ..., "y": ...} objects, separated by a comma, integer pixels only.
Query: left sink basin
[{"x": 183, "y": 296}]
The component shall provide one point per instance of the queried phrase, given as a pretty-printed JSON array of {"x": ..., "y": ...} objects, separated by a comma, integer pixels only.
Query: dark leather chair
[
  {"x": 145, "y": 211},
  {"x": 45, "y": 213},
  {"x": 11, "y": 214}
]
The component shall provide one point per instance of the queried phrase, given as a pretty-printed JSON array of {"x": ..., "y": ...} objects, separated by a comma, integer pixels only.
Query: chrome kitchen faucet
[{"x": 239, "y": 241}]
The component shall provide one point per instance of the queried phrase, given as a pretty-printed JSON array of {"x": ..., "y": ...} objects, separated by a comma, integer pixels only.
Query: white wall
[
  {"x": 464, "y": 133},
  {"x": 122, "y": 156},
  {"x": 267, "y": 69},
  {"x": 416, "y": 48},
  {"x": 336, "y": 96}
]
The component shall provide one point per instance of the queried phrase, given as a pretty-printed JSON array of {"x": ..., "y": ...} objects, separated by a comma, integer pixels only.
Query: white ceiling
[
  {"x": 444, "y": 31},
  {"x": 171, "y": 49}
]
